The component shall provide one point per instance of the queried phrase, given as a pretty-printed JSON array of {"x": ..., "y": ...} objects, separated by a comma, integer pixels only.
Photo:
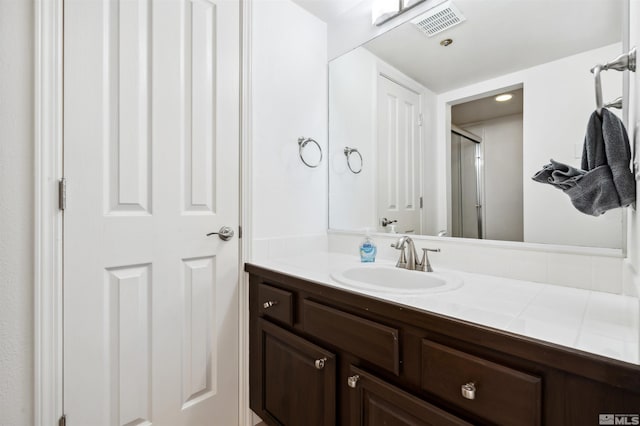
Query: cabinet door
[
  {"x": 297, "y": 379},
  {"x": 374, "y": 402}
]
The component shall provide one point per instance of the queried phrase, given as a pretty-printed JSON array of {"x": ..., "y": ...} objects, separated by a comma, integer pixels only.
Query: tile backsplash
[
  {"x": 586, "y": 271},
  {"x": 273, "y": 248},
  {"x": 589, "y": 271}
]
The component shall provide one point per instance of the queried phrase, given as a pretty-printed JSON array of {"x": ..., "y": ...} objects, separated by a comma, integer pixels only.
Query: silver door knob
[
  {"x": 469, "y": 390},
  {"x": 352, "y": 381},
  {"x": 225, "y": 233}
]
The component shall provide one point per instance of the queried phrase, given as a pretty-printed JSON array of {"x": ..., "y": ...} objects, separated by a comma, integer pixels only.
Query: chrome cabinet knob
[
  {"x": 225, "y": 233},
  {"x": 269, "y": 303},
  {"x": 319, "y": 363},
  {"x": 469, "y": 390},
  {"x": 352, "y": 381}
]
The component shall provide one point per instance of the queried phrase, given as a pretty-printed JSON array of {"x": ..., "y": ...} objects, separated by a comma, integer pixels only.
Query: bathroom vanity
[{"x": 325, "y": 355}]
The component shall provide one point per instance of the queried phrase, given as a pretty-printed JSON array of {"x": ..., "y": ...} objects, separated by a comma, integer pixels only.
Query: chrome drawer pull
[
  {"x": 353, "y": 381},
  {"x": 469, "y": 390},
  {"x": 320, "y": 363},
  {"x": 269, "y": 303}
]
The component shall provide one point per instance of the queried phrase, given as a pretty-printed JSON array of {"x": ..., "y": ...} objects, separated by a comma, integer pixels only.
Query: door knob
[{"x": 225, "y": 233}]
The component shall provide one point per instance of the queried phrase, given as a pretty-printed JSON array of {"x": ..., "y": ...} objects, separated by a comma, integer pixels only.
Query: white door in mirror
[{"x": 399, "y": 152}]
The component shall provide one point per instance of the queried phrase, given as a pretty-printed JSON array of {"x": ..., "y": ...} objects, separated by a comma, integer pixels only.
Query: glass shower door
[{"x": 466, "y": 196}]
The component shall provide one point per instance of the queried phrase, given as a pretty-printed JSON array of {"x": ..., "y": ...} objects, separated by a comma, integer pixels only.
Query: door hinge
[
  {"x": 420, "y": 119},
  {"x": 62, "y": 194},
  {"x": 62, "y": 421},
  {"x": 239, "y": 232},
  {"x": 421, "y": 202}
]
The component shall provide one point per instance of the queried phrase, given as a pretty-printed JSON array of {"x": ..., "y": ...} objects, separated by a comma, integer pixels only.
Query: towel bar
[{"x": 626, "y": 61}]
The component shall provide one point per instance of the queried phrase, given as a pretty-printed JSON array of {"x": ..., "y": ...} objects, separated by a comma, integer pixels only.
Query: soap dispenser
[{"x": 368, "y": 249}]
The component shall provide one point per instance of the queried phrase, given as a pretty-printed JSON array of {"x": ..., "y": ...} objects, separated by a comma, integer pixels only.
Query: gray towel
[
  {"x": 618, "y": 151},
  {"x": 560, "y": 175},
  {"x": 593, "y": 152},
  {"x": 605, "y": 182},
  {"x": 595, "y": 192},
  {"x": 607, "y": 143}
]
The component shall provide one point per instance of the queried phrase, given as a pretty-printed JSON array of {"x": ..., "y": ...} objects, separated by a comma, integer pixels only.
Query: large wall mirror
[{"x": 439, "y": 151}]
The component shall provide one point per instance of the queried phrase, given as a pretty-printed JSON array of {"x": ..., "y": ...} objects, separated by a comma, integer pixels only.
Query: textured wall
[
  {"x": 289, "y": 77},
  {"x": 16, "y": 212}
]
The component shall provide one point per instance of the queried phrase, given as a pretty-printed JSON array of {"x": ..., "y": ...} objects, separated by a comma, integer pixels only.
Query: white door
[
  {"x": 151, "y": 157},
  {"x": 399, "y": 154}
]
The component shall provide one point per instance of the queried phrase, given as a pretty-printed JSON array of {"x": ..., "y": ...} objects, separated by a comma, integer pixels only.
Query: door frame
[
  {"x": 48, "y": 169},
  {"x": 48, "y": 218},
  {"x": 245, "y": 416}
]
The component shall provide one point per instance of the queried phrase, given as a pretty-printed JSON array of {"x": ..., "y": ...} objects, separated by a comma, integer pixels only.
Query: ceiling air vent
[{"x": 438, "y": 19}]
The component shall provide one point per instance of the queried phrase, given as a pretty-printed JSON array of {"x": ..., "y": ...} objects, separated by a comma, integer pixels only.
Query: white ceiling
[
  {"x": 327, "y": 10},
  {"x": 486, "y": 109},
  {"x": 498, "y": 37}
]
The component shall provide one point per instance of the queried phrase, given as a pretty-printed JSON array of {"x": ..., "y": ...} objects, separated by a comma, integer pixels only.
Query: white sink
[{"x": 389, "y": 279}]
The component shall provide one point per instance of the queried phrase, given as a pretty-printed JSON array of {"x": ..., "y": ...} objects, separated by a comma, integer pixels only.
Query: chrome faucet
[{"x": 408, "y": 260}]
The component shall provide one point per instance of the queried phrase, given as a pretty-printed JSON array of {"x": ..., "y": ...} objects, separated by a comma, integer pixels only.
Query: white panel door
[
  {"x": 151, "y": 157},
  {"x": 399, "y": 154}
]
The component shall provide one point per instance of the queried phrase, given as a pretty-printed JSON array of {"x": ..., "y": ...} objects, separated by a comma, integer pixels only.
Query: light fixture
[
  {"x": 384, "y": 9},
  {"x": 504, "y": 97}
]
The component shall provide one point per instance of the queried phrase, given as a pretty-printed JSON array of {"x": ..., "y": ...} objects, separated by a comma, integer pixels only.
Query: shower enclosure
[{"x": 466, "y": 184}]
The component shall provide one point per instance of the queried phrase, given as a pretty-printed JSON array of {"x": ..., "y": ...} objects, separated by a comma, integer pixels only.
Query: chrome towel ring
[
  {"x": 347, "y": 152},
  {"x": 302, "y": 143}
]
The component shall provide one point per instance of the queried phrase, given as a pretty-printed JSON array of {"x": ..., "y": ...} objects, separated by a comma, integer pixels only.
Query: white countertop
[{"x": 599, "y": 323}]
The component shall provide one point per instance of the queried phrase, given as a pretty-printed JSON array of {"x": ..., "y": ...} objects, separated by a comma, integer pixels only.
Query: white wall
[
  {"x": 632, "y": 264},
  {"x": 289, "y": 92},
  {"x": 502, "y": 159},
  {"x": 558, "y": 100},
  {"x": 633, "y": 222},
  {"x": 16, "y": 212}
]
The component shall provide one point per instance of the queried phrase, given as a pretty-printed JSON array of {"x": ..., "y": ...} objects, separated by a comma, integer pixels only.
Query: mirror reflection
[{"x": 452, "y": 122}]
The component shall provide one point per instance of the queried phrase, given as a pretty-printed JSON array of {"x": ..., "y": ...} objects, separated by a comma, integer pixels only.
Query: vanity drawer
[
  {"x": 375, "y": 402},
  {"x": 275, "y": 303},
  {"x": 366, "y": 339},
  {"x": 502, "y": 395}
]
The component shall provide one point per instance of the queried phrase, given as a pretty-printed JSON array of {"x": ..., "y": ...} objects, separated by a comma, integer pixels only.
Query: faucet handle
[
  {"x": 425, "y": 265},
  {"x": 402, "y": 261},
  {"x": 398, "y": 245}
]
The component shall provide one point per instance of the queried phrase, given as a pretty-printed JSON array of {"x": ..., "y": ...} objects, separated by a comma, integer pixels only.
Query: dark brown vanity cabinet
[
  {"x": 374, "y": 402},
  {"x": 298, "y": 379},
  {"x": 324, "y": 356}
]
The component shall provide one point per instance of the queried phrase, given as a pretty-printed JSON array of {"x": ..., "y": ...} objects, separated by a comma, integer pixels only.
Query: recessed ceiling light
[
  {"x": 446, "y": 42},
  {"x": 504, "y": 97}
]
